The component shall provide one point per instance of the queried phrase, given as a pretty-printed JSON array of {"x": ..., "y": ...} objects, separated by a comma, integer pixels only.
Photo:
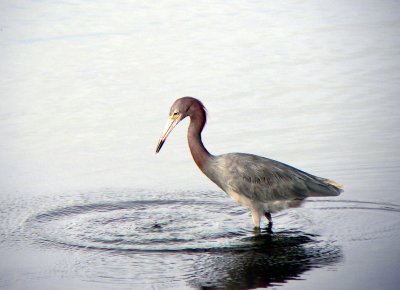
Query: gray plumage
[
  {"x": 263, "y": 185},
  {"x": 265, "y": 179}
]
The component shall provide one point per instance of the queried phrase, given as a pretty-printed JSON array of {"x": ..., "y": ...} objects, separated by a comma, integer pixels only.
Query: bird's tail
[
  {"x": 325, "y": 187},
  {"x": 335, "y": 184}
]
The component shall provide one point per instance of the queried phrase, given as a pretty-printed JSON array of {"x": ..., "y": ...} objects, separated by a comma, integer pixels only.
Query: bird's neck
[{"x": 200, "y": 154}]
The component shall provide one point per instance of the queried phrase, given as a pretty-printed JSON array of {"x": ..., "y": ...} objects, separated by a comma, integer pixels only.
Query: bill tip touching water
[{"x": 261, "y": 184}]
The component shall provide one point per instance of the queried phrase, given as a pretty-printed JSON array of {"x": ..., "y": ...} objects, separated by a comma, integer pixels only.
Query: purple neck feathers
[{"x": 197, "y": 122}]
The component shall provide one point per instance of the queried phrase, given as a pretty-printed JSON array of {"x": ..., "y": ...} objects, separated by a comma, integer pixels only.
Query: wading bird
[{"x": 262, "y": 185}]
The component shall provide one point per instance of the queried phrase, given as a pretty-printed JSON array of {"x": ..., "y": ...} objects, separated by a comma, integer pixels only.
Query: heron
[{"x": 264, "y": 186}]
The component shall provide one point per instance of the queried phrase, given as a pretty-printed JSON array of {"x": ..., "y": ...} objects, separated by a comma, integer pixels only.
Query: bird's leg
[
  {"x": 269, "y": 218},
  {"x": 256, "y": 219}
]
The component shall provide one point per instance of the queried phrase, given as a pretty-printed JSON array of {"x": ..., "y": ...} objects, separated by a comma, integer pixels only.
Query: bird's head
[{"x": 180, "y": 109}]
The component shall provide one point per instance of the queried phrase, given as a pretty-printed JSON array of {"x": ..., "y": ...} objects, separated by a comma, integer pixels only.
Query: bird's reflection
[{"x": 266, "y": 260}]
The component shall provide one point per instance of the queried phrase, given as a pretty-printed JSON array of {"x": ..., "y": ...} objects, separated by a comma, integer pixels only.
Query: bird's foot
[{"x": 269, "y": 218}]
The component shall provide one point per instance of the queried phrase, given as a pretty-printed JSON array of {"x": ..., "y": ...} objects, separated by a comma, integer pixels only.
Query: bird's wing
[{"x": 265, "y": 180}]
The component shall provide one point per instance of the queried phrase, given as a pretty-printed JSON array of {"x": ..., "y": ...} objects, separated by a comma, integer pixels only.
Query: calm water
[{"x": 86, "y": 87}]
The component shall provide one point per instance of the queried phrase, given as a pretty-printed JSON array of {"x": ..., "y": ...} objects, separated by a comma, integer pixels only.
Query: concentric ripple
[
  {"x": 347, "y": 220},
  {"x": 202, "y": 225},
  {"x": 151, "y": 225},
  {"x": 201, "y": 238}
]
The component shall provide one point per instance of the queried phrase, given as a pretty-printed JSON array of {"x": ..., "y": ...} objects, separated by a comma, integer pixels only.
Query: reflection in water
[
  {"x": 274, "y": 258},
  {"x": 144, "y": 239},
  {"x": 203, "y": 237}
]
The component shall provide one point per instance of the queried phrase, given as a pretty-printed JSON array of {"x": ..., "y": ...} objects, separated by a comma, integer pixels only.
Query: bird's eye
[{"x": 175, "y": 114}]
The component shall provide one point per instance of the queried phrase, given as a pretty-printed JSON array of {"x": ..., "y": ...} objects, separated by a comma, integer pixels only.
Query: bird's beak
[{"x": 171, "y": 123}]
